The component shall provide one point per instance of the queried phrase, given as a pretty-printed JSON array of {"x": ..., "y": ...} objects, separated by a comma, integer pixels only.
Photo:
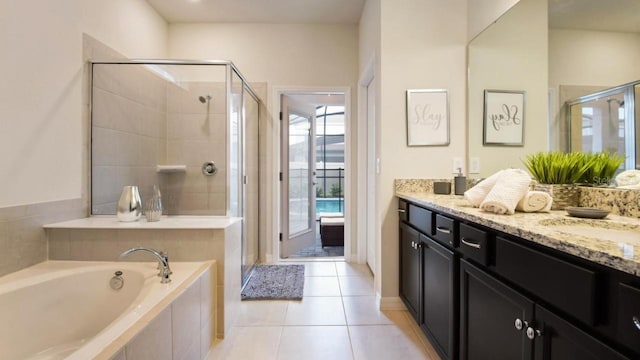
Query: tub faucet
[{"x": 163, "y": 262}]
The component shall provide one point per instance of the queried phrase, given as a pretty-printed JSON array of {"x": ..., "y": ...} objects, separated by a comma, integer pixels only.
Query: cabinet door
[
  {"x": 489, "y": 311},
  {"x": 438, "y": 297},
  {"x": 559, "y": 340},
  {"x": 410, "y": 269}
]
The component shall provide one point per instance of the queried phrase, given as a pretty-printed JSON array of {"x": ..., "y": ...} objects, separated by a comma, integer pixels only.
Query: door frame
[
  {"x": 274, "y": 162},
  {"x": 366, "y": 78}
]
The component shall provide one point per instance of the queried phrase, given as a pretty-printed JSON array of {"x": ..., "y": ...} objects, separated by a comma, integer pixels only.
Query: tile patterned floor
[
  {"x": 317, "y": 250},
  {"x": 337, "y": 319}
]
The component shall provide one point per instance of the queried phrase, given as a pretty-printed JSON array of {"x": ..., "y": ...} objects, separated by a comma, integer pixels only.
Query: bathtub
[{"x": 68, "y": 310}]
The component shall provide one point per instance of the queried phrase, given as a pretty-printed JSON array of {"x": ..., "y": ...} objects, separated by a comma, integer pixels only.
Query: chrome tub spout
[{"x": 163, "y": 262}]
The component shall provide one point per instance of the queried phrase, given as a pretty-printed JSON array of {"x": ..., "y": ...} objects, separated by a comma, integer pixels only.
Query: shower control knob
[{"x": 209, "y": 168}]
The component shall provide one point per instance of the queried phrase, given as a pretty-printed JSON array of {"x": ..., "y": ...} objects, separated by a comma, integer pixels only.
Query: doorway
[{"x": 312, "y": 182}]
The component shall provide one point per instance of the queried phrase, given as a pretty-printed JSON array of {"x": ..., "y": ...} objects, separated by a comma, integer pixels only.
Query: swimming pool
[{"x": 329, "y": 205}]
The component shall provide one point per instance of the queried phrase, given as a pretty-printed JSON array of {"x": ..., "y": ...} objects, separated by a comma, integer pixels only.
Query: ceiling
[
  {"x": 600, "y": 15},
  {"x": 260, "y": 11}
]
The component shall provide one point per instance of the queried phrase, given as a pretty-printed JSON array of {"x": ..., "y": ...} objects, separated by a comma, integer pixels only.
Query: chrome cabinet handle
[
  {"x": 636, "y": 322},
  {"x": 443, "y": 229},
  {"x": 402, "y": 211},
  {"x": 518, "y": 324},
  {"x": 532, "y": 333},
  {"x": 473, "y": 245},
  {"x": 413, "y": 244}
]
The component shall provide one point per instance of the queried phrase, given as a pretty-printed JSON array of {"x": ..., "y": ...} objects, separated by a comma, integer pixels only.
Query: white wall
[
  {"x": 369, "y": 72},
  {"x": 579, "y": 57},
  {"x": 279, "y": 54},
  {"x": 483, "y": 13},
  {"x": 41, "y": 123},
  {"x": 423, "y": 46},
  {"x": 509, "y": 56}
]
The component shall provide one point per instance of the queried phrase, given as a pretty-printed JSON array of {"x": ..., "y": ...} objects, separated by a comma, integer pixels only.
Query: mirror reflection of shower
[
  {"x": 206, "y": 99},
  {"x": 605, "y": 120}
]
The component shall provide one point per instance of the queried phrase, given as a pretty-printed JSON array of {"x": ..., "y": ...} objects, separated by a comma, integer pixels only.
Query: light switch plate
[
  {"x": 474, "y": 165},
  {"x": 457, "y": 164}
]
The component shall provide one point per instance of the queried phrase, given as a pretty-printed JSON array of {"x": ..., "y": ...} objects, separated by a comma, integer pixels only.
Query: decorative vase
[
  {"x": 564, "y": 195},
  {"x": 129, "y": 205},
  {"x": 153, "y": 206}
]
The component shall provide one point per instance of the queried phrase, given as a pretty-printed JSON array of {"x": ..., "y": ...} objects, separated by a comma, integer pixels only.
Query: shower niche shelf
[{"x": 166, "y": 169}]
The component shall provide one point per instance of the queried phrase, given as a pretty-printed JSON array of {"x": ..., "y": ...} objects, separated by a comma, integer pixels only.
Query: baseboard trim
[{"x": 391, "y": 303}]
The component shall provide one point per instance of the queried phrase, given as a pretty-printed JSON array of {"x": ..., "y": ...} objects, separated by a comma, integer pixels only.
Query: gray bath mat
[{"x": 275, "y": 282}]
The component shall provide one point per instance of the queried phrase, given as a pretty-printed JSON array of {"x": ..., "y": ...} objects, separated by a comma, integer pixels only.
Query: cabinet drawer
[
  {"x": 569, "y": 287},
  {"x": 421, "y": 219},
  {"x": 445, "y": 230},
  {"x": 629, "y": 316},
  {"x": 474, "y": 243}
]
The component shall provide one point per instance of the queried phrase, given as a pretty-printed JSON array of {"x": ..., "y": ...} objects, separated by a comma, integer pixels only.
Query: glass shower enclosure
[{"x": 190, "y": 127}]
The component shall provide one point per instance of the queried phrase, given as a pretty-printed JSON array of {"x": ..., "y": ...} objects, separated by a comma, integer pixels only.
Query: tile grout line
[{"x": 346, "y": 320}]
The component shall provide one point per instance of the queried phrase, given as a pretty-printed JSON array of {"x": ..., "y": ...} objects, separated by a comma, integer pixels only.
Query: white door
[
  {"x": 371, "y": 176},
  {"x": 298, "y": 213}
]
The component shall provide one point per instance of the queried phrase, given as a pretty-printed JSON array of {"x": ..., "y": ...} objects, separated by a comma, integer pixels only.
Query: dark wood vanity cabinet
[
  {"x": 410, "y": 269},
  {"x": 439, "y": 296},
  {"x": 492, "y": 318},
  {"x": 558, "y": 339},
  {"x": 428, "y": 276},
  {"x": 498, "y": 322},
  {"x": 480, "y": 294}
]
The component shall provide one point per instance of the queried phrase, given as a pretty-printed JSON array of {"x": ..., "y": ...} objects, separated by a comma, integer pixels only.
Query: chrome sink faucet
[{"x": 163, "y": 262}]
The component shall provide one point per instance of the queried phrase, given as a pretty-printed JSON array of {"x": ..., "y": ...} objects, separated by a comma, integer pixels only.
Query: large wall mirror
[{"x": 555, "y": 51}]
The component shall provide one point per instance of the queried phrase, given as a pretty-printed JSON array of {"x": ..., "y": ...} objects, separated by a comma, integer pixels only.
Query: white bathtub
[{"x": 67, "y": 309}]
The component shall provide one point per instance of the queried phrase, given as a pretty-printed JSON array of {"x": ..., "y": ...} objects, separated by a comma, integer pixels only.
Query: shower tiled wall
[
  {"x": 128, "y": 132},
  {"x": 196, "y": 133},
  {"x": 141, "y": 120}
]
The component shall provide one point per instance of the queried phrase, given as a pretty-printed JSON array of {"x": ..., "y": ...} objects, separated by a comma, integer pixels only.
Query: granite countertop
[{"x": 613, "y": 241}]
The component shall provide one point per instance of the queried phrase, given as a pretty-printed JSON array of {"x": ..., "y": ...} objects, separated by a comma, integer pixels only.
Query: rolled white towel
[
  {"x": 535, "y": 201},
  {"x": 512, "y": 185},
  {"x": 628, "y": 178},
  {"x": 476, "y": 194},
  {"x": 629, "y": 187}
]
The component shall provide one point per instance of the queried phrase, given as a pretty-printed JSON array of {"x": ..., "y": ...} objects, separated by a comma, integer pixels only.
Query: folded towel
[
  {"x": 535, "y": 201},
  {"x": 476, "y": 194},
  {"x": 511, "y": 186}
]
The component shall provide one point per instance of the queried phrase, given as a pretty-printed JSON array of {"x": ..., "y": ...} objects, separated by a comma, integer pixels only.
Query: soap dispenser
[{"x": 459, "y": 183}]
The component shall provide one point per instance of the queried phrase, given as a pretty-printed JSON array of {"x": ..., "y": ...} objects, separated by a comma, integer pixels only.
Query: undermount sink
[{"x": 598, "y": 229}]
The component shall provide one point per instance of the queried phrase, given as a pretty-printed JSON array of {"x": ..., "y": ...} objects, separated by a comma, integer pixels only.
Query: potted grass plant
[
  {"x": 601, "y": 168},
  {"x": 557, "y": 173}
]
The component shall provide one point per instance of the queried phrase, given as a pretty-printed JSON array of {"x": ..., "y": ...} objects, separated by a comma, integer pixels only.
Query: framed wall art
[
  {"x": 427, "y": 117},
  {"x": 503, "y": 118}
]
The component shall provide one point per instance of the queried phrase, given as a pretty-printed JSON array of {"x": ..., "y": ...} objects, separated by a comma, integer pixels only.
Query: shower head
[
  {"x": 204, "y": 99},
  {"x": 620, "y": 102}
]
